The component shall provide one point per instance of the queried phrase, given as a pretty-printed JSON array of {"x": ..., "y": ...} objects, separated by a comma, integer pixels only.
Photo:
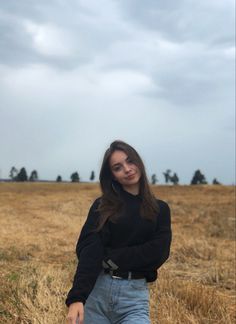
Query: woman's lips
[{"x": 130, "y": 176}]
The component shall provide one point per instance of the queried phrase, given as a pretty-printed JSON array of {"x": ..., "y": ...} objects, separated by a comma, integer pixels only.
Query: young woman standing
[{"x": 125, "y": 239}]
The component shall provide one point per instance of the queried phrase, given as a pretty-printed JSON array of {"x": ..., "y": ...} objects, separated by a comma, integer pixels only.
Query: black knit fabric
[{"x": 132, "y": 243}]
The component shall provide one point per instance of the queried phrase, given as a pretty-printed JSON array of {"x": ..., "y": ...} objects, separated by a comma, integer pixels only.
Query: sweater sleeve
[
  {"x": 151, "y": 254},
  {"x": 90, "y": 253}
]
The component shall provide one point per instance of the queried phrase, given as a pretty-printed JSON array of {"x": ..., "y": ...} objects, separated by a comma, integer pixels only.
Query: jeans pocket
[{"x": 139, "y": 284}]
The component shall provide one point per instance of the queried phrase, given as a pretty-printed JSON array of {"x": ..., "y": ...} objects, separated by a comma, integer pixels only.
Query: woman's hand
[{"x": 76, "y": 313}]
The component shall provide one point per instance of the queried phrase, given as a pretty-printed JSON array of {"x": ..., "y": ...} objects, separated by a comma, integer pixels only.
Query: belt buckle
[
  {"x": 113, "y": 276},
  {"x": 116, "y": 277}
]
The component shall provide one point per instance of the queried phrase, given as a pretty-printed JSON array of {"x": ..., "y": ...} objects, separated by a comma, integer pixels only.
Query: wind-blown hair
[{"x": 111, "y": 203}]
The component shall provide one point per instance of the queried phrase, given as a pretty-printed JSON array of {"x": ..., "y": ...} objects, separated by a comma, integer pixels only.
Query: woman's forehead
[{"x": 118, "y": 157}]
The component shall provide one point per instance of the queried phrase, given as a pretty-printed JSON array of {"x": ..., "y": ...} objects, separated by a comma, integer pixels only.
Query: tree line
[
  {"x": 22, "y": 175},
  {"x": 198, "y": 177}
]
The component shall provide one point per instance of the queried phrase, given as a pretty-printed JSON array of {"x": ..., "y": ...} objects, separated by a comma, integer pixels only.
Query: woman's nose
[{"x": 127, "y": 167}]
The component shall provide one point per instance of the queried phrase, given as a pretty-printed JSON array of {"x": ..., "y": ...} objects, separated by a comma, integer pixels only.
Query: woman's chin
[{"x": 132, "y": 182}]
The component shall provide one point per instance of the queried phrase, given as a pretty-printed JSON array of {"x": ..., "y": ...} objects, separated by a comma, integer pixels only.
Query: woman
[{"x": 125, "y": 239}]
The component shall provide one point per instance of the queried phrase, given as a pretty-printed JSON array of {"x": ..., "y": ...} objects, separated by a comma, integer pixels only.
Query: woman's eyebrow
[
  {"x": 119, "y": 163},
  {"x": 116, "y": 164}
]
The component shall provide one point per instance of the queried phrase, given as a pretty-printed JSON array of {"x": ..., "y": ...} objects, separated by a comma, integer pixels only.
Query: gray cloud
[
  {"x": 31, "y": 30},
  {"x": 76, "y": 75},
  {"x": 188, "y": 20}
]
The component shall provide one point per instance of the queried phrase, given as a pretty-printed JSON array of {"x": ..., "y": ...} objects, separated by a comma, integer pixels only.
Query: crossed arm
[
  {"x": 150, "y": 255},
  {"x": 91, "y": 253}
]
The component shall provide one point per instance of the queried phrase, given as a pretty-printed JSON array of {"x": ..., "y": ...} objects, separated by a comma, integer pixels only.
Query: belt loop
[{"x": 129, "y": 275}]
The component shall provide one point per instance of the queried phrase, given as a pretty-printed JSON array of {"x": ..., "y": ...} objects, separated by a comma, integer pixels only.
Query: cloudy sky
[{"x": 76, "y": 75}]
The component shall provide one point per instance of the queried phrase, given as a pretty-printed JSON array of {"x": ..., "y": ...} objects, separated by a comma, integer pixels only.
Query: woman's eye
[{"x": 117, "y": 169}]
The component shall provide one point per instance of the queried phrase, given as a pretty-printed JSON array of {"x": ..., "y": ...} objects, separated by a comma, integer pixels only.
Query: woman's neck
[{"x": 133, "y": 189}]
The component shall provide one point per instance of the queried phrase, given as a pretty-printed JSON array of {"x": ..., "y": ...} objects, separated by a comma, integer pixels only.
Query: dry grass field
[{"x": 39, "y": 227}]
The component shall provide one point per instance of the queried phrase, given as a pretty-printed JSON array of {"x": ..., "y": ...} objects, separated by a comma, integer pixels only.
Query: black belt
[{"x": 124, "y": 274}]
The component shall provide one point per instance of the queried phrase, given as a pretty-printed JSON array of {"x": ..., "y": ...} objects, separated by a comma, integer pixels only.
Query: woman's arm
[
  {"x": 90, "y": 253},
  {"x": 151, "y": 254}
]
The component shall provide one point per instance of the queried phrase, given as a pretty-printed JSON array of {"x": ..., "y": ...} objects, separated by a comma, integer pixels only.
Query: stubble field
[{"x": 39, "y": 227}]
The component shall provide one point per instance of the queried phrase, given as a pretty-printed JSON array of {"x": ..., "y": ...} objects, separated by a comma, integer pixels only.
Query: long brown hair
[{"x": 111, "y": 203}]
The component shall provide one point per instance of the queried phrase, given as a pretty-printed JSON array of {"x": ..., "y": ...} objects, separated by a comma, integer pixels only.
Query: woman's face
[{"x": 124, "y": 170}]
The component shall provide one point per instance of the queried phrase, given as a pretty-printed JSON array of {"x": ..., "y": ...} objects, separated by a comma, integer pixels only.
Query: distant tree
[
  {"x": 33, "y": 176},
  {"x": 171, "y": 178},
  {"x": 13, "y": 173},
  {"x": 22, "y": 175},
  {"x": 174, "y": 179},
  {"x": 154, "y": 179},
  {"x": 75, "y": 177},
  {"x": 167, "y": 175},
  {"x": 59, "y": 178},
  {"x": 198, "y": 178},
  {"x": 215, "y": 182},
  {"x": 92, "y": 176}
]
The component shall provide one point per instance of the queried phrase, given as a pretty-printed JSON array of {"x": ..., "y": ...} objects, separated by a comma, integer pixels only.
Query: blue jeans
[{"x": 117, "y": 301}]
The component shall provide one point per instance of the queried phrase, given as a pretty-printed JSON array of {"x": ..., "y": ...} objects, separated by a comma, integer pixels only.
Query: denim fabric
[{"x": 117, "y": 301}]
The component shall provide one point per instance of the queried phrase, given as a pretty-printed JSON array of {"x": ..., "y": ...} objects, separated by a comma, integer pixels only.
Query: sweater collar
[{"x": 129, "y": 195}]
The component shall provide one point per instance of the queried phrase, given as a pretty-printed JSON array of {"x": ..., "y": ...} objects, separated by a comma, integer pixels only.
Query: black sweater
[{"x": 132, "y": 243}]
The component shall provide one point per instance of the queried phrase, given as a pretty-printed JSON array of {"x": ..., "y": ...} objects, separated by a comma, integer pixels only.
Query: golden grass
[{"x": 39, "y": 227}]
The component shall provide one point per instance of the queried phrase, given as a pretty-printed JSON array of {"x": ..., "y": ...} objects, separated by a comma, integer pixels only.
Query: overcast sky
[{"x": 76, "y": 75}]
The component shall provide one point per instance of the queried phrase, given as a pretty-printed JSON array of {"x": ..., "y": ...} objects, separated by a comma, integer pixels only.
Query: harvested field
[{"x": 39, "y": 227}]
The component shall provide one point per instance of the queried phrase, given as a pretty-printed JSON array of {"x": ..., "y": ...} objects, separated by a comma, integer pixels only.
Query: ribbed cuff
[{"x": 73, "y": 297}]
